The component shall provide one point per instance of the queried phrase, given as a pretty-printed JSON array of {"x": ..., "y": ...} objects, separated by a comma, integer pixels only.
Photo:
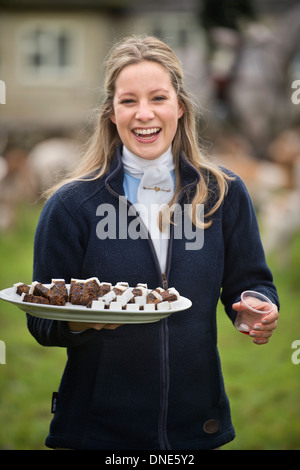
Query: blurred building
[{"x": 52, "y": 54}]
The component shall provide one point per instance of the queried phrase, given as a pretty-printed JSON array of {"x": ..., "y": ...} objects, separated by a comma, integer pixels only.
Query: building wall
[
  {"x": 51, "y": 95},
  {"x": 51, "y": 65}
]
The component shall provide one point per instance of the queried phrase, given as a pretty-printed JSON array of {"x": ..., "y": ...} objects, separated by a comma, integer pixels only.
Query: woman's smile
[{"x": 147, "y": 135}]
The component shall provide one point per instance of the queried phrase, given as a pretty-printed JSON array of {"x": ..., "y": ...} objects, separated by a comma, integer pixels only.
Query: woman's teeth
[{"x": 145, "y": 133}]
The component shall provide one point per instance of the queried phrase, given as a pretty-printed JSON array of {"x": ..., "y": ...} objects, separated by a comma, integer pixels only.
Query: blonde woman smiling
[{"x": 153, "y": 385}]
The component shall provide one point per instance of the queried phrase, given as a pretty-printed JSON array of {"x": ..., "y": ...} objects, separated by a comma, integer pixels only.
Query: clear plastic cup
[{"x": 256, "y": 307}]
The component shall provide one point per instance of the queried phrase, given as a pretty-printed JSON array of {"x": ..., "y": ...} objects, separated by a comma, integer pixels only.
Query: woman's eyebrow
[
  {"x": 126, "y": 93},
  {"x": 160, "y": 90},
  {"x": 152, "y": 92}
]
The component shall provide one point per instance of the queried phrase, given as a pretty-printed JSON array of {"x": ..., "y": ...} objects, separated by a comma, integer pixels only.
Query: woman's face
[{"x": 146, "y": 109}]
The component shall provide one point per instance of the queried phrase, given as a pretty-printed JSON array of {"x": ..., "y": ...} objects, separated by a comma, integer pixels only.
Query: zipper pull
[{"x": 164, "y": 281}]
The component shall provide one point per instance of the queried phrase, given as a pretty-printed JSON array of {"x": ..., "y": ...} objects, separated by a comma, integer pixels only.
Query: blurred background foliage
[{"x": 241, "y": 59}]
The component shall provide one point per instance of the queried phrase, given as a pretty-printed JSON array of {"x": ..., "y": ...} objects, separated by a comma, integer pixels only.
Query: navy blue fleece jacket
[{"x": 156, "y": 385}]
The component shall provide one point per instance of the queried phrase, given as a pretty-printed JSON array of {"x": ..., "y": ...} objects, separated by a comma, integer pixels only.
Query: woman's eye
[
  {"x": 127, "y": 101},
  {"x": 159, "y": 98}
]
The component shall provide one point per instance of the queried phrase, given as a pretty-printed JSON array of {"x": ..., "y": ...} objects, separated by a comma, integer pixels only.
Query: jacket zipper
[
  {"x": 164, "y": 333},
  {"x": 164, "y": 338},
  {"x": 164, "y": 279},
  {"x": 165, "y": 378}
]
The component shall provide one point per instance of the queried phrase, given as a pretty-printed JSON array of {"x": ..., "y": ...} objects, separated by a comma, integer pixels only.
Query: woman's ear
[
  {"x": 112, "y": 118},
  {"x": 180, "y": 110}
]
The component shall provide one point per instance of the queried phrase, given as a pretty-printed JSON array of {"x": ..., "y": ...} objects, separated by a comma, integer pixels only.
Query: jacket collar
[
  {"x": 189, "y": 175},
  {"x": 115, "y": 176}
]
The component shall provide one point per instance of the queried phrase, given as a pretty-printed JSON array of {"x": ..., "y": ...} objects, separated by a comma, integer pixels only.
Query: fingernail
[
  {"x": 252, "y": 334},
  {"x": 256, "y": 327}
]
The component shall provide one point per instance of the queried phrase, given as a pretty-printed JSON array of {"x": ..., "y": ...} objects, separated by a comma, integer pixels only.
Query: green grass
[
  {"x": 261, "y": 381},
  {"x": 31, "y": 372}
]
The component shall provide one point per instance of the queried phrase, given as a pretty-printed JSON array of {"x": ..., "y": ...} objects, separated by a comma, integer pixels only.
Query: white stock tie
[{"x": 155, "y": 190}]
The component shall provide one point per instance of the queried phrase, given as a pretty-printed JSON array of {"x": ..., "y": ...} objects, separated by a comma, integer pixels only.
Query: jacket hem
[{"x": 54, "y": 441}]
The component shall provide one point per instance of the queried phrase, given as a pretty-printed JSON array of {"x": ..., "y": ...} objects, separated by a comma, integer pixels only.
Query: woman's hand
[
  {"x": 82, "y": 326},
  {"x": 263, "y": 331}
]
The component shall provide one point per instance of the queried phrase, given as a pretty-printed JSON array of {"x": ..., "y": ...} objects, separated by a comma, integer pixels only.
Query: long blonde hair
[{"x": 101, "y": 146}]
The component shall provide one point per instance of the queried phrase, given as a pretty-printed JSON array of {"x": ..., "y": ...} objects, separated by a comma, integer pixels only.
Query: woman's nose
[{"x": 144, "y": 112}]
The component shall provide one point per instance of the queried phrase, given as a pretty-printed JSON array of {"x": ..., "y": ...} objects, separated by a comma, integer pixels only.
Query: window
[{"x": 49, "y": 51}]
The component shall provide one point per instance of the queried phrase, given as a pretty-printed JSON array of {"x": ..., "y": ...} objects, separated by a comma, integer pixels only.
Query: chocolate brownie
[
  {"x": 153, "y": 297},
  {"x": 34, "y": 299},
  {"x": 39, "y": 290},
  {"x": 20, "y": 288},
  {"x": 170, "y": 295},
  {"x": 76, "y": 287},
  {"x": 59, "y": 287}
]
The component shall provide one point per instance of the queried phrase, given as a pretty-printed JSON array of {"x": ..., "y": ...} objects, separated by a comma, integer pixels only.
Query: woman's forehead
[{"x": 149, "y": 75}]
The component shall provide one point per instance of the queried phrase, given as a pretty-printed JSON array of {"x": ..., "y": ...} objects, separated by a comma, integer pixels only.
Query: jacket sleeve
[
  {"x": 58, "y": 253},
  {"x": 245, "y": 266}
]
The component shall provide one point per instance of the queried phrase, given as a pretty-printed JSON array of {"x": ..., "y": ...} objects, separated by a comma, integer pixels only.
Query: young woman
[{"x": 154, "y": 385}]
